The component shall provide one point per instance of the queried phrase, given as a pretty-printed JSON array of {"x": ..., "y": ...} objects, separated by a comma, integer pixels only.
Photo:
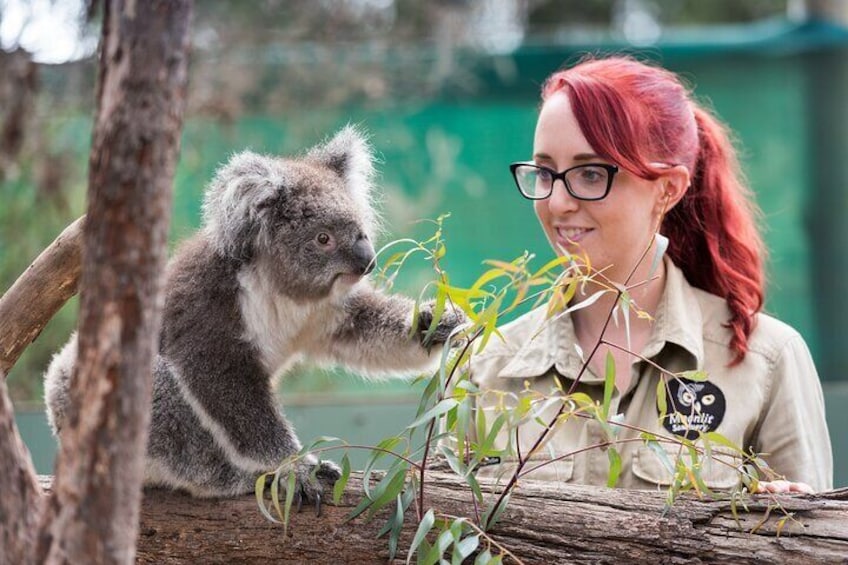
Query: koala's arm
[{"x": 375, "y": 335}]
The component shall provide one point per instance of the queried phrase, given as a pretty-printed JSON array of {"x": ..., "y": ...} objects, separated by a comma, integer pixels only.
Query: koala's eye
[{"x": 323, "y": 238}]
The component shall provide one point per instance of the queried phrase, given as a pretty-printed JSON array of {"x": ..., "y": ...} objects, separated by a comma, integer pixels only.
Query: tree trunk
[
  {"x": 92, "y": 516},
  {"x": 17, "y": 95},
  {"x": 20, "y": 496},
  {"x": 544, "y": 523}
]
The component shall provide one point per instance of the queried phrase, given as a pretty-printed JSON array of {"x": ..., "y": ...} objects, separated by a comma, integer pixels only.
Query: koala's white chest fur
[{"x": 282, "y": 329}]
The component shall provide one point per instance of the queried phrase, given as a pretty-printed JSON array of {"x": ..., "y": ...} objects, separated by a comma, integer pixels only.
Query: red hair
[{"x": 634, "y": 114}]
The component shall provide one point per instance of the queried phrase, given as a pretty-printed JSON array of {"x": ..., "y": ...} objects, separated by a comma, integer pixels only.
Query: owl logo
[{"x": 694, "y": 408}]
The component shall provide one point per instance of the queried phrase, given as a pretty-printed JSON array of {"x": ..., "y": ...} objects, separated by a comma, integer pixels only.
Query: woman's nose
[{"x": 560, "y": 200}]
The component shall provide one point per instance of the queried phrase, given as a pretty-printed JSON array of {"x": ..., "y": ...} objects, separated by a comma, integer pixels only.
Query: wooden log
[
  {"x": 544, "y": 523},
  {"x": 32, "y": 301}
]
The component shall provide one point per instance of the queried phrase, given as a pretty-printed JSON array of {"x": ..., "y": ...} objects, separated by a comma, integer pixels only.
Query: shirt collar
[
  {"x": 678, "y": 318},
  {"x": 550, "y": 343}
]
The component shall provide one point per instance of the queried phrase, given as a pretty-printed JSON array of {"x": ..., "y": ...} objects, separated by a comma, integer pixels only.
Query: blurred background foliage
[{"x": 448, "y": 90}]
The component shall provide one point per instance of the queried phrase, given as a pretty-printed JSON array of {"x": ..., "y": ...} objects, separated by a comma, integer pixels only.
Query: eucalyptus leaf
[
  {"x": 424, "y": 528},
  {"x": 434, "y": 412},
  {"x": 464, "y": 548},
  {"x": 614, "y": 467},
  {"x": 609, "y": 384},
  {"x": 659, "y": 251},
  {"x": 341, "y": 483}
]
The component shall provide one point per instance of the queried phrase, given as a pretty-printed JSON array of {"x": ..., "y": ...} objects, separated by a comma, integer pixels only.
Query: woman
[{"x": 621, "y": 151}]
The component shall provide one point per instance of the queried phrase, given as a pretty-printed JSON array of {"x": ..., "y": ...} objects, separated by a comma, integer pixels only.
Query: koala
[{"x": 276, "y": 275}]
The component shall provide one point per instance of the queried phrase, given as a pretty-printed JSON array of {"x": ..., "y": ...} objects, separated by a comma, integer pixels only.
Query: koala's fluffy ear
[
  {"x": 349, "y": 155},
  {"x": 235, "y": 198}
]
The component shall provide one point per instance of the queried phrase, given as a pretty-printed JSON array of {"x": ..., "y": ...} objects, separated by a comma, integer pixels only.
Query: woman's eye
[
  {"x": 592, "y": 175},
  {"x": 543, "y": 174},
  {"x": 323, "y": 238}
]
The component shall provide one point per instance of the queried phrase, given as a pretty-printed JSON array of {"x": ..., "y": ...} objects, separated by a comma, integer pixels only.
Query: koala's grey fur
[{"x": 255, "y": 291}]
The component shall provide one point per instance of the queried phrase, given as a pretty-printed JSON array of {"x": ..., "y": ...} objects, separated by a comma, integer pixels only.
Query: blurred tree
[{"x": 92, "y": 513}]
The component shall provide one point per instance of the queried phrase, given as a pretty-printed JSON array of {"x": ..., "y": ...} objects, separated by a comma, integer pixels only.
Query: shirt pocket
[{"x": 716, "y": 474}]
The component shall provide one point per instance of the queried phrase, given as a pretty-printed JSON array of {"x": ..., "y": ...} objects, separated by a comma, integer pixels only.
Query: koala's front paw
[
  {"x": 451, "y": 319},
  {"x": 311, "y": 480}
]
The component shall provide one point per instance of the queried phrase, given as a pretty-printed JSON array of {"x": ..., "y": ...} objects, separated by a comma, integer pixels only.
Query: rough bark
[
  {"x": 20, "y": 495},
  {"x": 92, "y": 516},
  {"x": 17, "y": 95},
  {"x": 544, "y": 523},
  {"x": 39, "y": 293}
]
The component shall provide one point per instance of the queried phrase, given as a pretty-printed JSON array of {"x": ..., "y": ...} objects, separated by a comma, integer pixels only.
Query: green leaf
[
  {"x": 662, "y": 401},
  {"x": 464, "y": 548},
  {"x": 491, "y": 517},
  {"x": 416, "y": 311},
  {"x": 715, "y": 437},
  {"x": 614, "y": 467},
  {"x": 316, "y": 442},
  {"x": 421, "y": 533},
  {"x": 452, "y": 459},
  {"x": 388, "y": 444},
  {"x": 698, "y": 376},
  {"x": 480, "y": 421},
  {"x": 483, "y": 558},
  {"x": 553, "y": 263},
  {"x": 659, "y": 251},
  {"x": 475, "y": 486},
  {"x": 275, "y": 495},
  {"x": 443, "y": 542},
  {"x": 259, "y": 490},
  {"x": 486, "y": 447},
  {"x": 625, "y": 313},
  {"x": 609, "y": 384},
  {"x": 456, "y": 528},
  {"x": 385, "y": 491},
  {"x": 338, "y": 488},
  {"x": 663, "y": 456},
  {"x": 438, "y": 310},
  {"x": 583, "y": 304},
  {"x": 434, "y": 412},
  {"x": 290, "y": 487},
  {"x": 396, "y": 528},
  {"x": 389, "y": 488}
]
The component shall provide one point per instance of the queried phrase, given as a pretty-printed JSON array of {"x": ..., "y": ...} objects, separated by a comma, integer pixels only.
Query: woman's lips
[{"x": 572, "y": 235}]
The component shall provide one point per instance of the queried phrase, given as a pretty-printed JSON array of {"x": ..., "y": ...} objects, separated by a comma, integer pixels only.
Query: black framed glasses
[{"x": 591, "y": 181}]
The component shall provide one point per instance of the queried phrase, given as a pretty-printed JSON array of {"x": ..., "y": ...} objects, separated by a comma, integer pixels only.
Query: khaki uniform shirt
[{"x": 771, "y": 403}]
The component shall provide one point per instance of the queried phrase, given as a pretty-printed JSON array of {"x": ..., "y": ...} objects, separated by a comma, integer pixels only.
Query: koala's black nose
[{"x": 363, "y": 256}]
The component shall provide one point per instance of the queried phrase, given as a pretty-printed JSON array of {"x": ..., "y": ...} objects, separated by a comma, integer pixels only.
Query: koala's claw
[
  {"x": 310, "y": 480},
  {"x": 451, "y": 319}
]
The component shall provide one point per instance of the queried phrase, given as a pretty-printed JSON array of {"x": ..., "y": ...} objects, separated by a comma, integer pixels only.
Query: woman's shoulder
[{"x": 768, "y": 338}]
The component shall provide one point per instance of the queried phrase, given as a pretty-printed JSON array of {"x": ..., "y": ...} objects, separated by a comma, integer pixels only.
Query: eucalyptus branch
[
  {"x": 369, "y": 448},
  {"x": 432, "y": 425},
  {"x": 544, "y": 434}
]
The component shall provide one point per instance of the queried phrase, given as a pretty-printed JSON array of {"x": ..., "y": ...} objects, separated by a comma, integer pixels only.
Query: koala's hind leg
[
  {"x": 57, "y": 382},
  {"x": 194, "y": 453}
]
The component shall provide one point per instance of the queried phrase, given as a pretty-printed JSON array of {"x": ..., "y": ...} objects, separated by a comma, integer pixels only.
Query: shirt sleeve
[{"x": 793, "y": 435}]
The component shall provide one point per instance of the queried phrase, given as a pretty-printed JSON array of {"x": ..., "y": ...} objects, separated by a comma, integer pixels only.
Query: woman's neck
[{"x": 645, "y": 291}]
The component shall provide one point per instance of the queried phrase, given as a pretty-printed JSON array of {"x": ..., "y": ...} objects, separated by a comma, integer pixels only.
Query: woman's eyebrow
[
  {"x": 579, "y": 157},
  {"x": 587, "y": 157}
]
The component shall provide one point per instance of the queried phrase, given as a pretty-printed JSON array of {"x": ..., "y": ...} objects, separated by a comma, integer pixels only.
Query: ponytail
[{"x": 713, "y": 235}]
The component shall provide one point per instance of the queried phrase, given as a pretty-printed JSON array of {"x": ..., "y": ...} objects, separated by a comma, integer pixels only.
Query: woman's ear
[{"x": 674, "y": 183}]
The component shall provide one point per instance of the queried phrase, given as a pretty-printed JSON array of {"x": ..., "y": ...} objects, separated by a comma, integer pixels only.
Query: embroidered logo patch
[{"x": 693, "y": 407}]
